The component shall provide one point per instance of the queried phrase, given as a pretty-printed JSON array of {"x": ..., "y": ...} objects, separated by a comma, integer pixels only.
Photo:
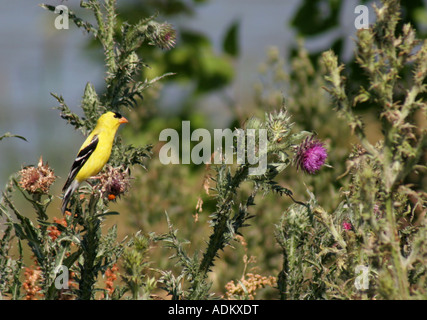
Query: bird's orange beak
[{"x": 123, "y": 120}]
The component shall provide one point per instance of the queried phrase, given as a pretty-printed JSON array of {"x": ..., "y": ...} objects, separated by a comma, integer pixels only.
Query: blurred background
[
  {"x": 36, "y": 59},
  {"x": 233, "y": 59}
]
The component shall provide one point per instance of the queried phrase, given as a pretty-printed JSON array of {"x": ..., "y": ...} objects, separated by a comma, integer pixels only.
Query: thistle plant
[
  {"x": 135, "y": 264},
  {"x": 77, "y": 241},
  {"x": 301, "y": 238},
  {"x": 378, "y": 224},
  {"x": 247, "y": 286},
  {"x": 384, "y": 52},
  {"x": 307, "y": 101},
  {"x": 231, "y": 214}
]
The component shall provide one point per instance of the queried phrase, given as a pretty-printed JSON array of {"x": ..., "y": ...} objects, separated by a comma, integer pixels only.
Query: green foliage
[
  {"x": 315, "y": 17},
  {"x": 77, "y": 241},
  {"x": 302, "y": 238},
  {"x": 365, "y": 209},
  {"x": 377, "y": 202},
  {"x": 231, "y": 44},
  {"x": 135, "y": 266},
  {"x": 231, "y": 215}
]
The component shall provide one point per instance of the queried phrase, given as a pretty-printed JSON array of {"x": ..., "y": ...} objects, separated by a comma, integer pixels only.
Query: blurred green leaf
[
  {"x": 314, "y": 17},
  {"x": 231, "y": 40}
]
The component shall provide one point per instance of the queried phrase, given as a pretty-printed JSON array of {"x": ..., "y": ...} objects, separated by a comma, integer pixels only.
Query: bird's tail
[{"x": 68, "y": 193}]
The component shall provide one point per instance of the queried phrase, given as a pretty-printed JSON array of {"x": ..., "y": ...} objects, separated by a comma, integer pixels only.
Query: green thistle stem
[
  {"x": 90, "y": 245},
  {"x": 399, "y": 267}
]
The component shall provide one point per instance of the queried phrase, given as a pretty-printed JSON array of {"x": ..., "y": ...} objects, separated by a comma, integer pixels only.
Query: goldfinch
[{"x": 93, "y": 154}]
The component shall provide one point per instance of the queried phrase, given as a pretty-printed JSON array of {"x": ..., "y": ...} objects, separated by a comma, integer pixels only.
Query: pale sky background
[{"x": 36, "y": 59}]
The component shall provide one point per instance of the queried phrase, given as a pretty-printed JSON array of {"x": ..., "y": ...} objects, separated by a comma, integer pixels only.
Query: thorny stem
[
  {"x": 90, "y": 246},
  {"x": 400, "y": 269},
  {"x": 282, "y": 281},
  {"x": 217, "y": 240},
  {"x": 109, "y": 38}
]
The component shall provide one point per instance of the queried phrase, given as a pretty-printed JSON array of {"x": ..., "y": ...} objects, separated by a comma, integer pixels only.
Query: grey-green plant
[
  {"x": 81, "y": 246},
  {"x": 231, "y": 213},
  {"x": 380, "y": 223}
]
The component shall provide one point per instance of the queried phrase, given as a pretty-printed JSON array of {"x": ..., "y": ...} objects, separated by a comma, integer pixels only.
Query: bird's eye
[{"x": 117, "y": 115}]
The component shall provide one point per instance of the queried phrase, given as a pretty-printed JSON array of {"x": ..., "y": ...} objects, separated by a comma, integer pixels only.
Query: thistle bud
[
  {"x": 278, "y": 125},
  {"x": 164, "y": 36}
]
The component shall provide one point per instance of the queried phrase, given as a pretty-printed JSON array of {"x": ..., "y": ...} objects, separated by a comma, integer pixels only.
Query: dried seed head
[
  {"x": 53, "y": 231},
  {"x": 248, "y": 285},
  {"x": 31, "y": 284},
  {"x": 113, "y": 182},
  {"x": 111, "y": 277},
  {"x": 310, "y": 155},
  {"x": 37, "y": 179}
]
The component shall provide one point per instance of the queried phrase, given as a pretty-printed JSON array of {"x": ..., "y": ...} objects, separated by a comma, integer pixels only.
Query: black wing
[{"x": 80, "y": 160}]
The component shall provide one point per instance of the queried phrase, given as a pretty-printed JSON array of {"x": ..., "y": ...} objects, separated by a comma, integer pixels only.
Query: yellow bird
[{"x": 93, "y": 154}]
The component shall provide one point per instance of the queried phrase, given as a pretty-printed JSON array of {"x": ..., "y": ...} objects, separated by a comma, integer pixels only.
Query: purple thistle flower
[
  {"x": 347, "y": 226},
  {"x": 310, "y": 155}
]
